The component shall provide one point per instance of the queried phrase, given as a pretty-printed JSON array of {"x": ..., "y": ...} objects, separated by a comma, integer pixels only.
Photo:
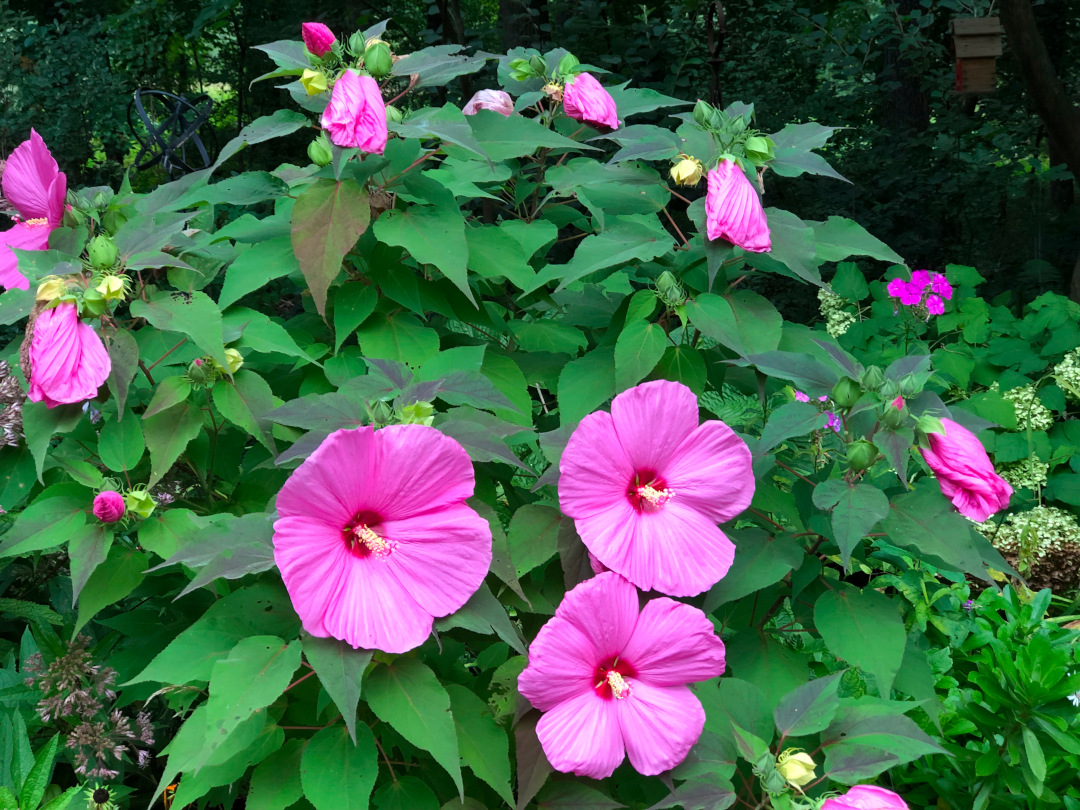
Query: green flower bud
[
  {"x": 381, "y": 414},
  {"x": 670, "y": 290},
  {"x": 566, "y": 67},
  {"x": 861, "y": 455},
  {"x": 319, "y": 151},
  {"x": 419, "y": 413},
  {"x": 94, "y": 304},
  {"x": 102, "y": 252},
  {"x": 703, "y": 113},
  {"x": 200, "y": 372},
  {"x": 357, "y": 44},
  {"x": 112, "y": 220},
  {"x": 393, "y": 114},
  {"x": 538, "y": 65},
  {"x": 377, "y": 59},
  {"x": 139, "y": 502},
  {"x": 100, "y": 200},
  {"x": 872, "y": 378},
  {"x": 846, "y": 392},
  {"x": 520, "y": 70}
]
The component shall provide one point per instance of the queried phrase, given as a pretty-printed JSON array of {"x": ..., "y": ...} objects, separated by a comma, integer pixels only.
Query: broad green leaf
[
  {"x": 87, "y": 550},
  {"x": 448, "y": 124},
  {"x": 255, "y": 267},
  {"x": 856, "y": 510},
  {"x": 245, "y": 400},
  {"x": 121, "y": 444},
  {"x": 549, "y": 336},
  {"x": 398, "y": 337},
  {"x": 227, "y": 547},
  {"x": 242, "y": 189},
  {"x": 436, "y": 65},
  {"x": 460, "y": 177},
  {"x": 570, "y": 795},
  {"x": 15, "y": 304},
  {"x": 268, "y": 127},
  {"x": 633, "y": 100},
  {"x": 744, "y": 322},
  {"x": 483, "y": 744},
  {"x": 774, "y": 668},
  {"x": 340, "y": 668},
  {"x": 894, "y": 734},
  {"x": 170, "y": 391},
  {"x": 838, "y": 237},
  {"x": 585, "y": 384},
  {"x": 851, "y": 763},
  {"x": 732, "y": 701},
  {"x": 431, "y": 235},
  {"x": 927, "y": 524},
  {"x": 792, "y": 246},
  {"x": 124, "y": 356},
  {"x": 189, "y": 313},
  {"x": 405, "y": 793},
  {"x": 682, "y": 364},
  {"x": 166, "y": 530},
  {"x": 503, "y": 137},
  {"x": 33, "y": 788},
  {"x": 408, "y": 696},
  {"x": 262, "y": 609},
  {"x": 484, "y": 614},
  {"x": 810, "y": 708},
  {"x": 55, "y": 516},
  {"x": 863, "y": 628},
  {"x": 637, "y": 351},
  {"x": 17, "y": 475},
  {"x": 260, "y": 334},
  {"x": 168, "y": 434},
  {"x": 789, "y": 420},
  {"x": 353, "y": 303},
  {"x": 760, "y": 560},
  {"x": 327, "y": 219},
  {"x": 64, "y": 799},
  {"x": 41, "y": 423},
  {"x": 110, "y": 582},
  {"x": 533, "y": 768},
  {"x": 494, "y": 252},
  {"x": 275, "y": 782}
]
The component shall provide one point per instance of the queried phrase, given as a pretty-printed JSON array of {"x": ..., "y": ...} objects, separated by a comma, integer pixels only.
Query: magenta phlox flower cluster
[{"x": 931, "y": 290}]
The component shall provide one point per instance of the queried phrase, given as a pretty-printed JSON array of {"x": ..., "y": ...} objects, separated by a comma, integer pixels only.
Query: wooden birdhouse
[{"x": 977, "y": 44}]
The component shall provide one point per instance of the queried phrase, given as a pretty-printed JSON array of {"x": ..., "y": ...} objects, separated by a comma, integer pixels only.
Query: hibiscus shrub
[{"x": 396, "y": 479}]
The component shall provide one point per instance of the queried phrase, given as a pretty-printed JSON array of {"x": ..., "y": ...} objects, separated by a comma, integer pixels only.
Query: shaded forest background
[{"x": 941, "y": 177}]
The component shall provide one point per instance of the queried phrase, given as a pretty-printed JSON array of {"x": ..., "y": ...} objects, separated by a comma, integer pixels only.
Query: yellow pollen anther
[
  {"x": 619, "y": 687},
  {"x": 656, "y": 497},
  {"x": 36, "y": 221},
  {"x": 375, "y": 544}
]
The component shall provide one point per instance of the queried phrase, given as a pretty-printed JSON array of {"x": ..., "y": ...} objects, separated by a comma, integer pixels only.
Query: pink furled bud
[
  {"x": 109, "y": 506},
  {"x": 965, "y": 473},
  {"x": 898, "y": 403},
  {"x": 586, "y": 100},
  {"x": 356, "y": 114},
  {"x": 733, "y": 209},
  {"x": 495, "y": 100},
  {"x": 318, "y": 38},
  {"x": 866, "y": 797},
  {"x": 68, "y": 361}
]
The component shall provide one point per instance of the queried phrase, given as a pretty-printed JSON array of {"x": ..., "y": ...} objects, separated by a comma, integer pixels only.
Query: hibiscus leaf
[
  {"x": 193, "y": 314},
  {"x": 340, "y": 668},
  {"x": 483, "y": 743},
  {"x": 863, "y": 628},
  {"x": 337, "y": 774}
]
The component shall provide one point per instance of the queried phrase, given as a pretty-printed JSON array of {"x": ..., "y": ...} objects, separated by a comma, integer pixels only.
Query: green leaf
[
  {"x": 533, "y": 767},
  {"x": 245, "y": 400},
  {"x": 760, "y": 560},
  {"x": 682, "y": 364},
  {"x": 15, "y": 304},
  {"x": 275, "y": 782},
  {"x": 859, "y": 726},
  {"x": 809, "y": 708},
  {"x": 64, "y": 799},
  {"x": 850, "y": 763},
  {"x": 398, "y": 337},
  {"x": 257, "y": 266},
  {"x": 744, "y": 322},
  {"x": 502, "y": 137},
  {"x": 863, "y": 628},
  {"x": 262, "y": 609},
  {"x": 926, "y": 523},
  {"x": 168, "y": 434},
  {"x": 436, "y": 65},
  {"x": 405, "y": 793},
  {"x": 838, "y": 237},
  {"x": 495, "y": 252},
  {"x": 327, "y": 219},
  {"x": 110, "y": 582},
  {"x": 56, "y": 515},
  {"x": 227, "y": 547},
  {"x": 251, "y": 677},
  {"x": 1035, "y": 758},
  {"x": 336, "y": 773},
  {"x": 408, "y": 696},
  {"x": 483, "y": 744},
  {"x": 190, "y": 313},
  {"x": 87, "y": 550},
  {"x": 170, "y": 391},
  {"x": 268, "y": 127},
  {"x": 792, "y": 248},
  {"x": 637, "y": 351},
  {"x": 431, "y": 235},
  {"x": 353, "y": 303},
  {"x": 774, "y": 668},
  {"x": 124, "y": 356},
  {"x": 549, "y": 336},
  {"x": 340, "y": 668},
  {"x": 484, "y": 614},
  {"x": 789, "y": 420},
  {"x": 41, "y": 423},
  {"x": 585, "y": 384},
  {"x": 121, "y": 444},
  {"x": 260, "y": 334},
  {"x": 17, "y": 475},
  {"x": 856, "y": 510},
  {"x": 33, "y": 788}
]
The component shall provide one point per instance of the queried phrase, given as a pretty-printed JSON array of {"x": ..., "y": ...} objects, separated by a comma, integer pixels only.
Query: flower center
[
  {"x": 36, "y": 222},
  {"x": 611, "y": 678},
  {"x": 363, "y": 541},
  {"x": 648, "y": 492}
]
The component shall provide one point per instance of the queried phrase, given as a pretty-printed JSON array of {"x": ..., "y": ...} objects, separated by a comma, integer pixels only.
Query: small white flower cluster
[
  {"x": 1029, "y": 408},
  {"x": 1034, "y": 534},
  {"x": 1067, "y": 374},
  {"x": 1030, "y": 473},
  {"x": 837, "y": 319}
]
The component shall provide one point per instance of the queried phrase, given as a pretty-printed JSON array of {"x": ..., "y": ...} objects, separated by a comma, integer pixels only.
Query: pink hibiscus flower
[
  {"x": 375, "y": 540},
  {"x": 356, "y": 114},
  {"x": 318, "y": 38},
  {"x": 68, "y": 361},
  {"x": 965, "y": 472},
  {"x": 733, "y": 209},
  {"x": 866, "y": 797},
  {"x": 586, "y": 100},
  {"x": 612, "y": 679},
  {"x": 646, "y": 486},
  {"x": 34, "y": 184}
]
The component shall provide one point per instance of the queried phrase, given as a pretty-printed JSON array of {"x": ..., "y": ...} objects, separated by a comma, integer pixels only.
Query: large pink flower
[
  {"x": 586, "y": 100},
  {"x": 495, "y": 100},
  {"x": 965, "y": 473},
  {"x": 68, "y": 362},
  {"x": 733, "y": 209},
  {"x": 356, "y": 114},
  {"x": 318, "y": 38},
  {"x": 375, "y": 539},
  {"x": 612, "y": 679},
  {"x": 866, "y": 797},
  {"x": 646, "y": 486},
  {"x": 34, "y": 184}
]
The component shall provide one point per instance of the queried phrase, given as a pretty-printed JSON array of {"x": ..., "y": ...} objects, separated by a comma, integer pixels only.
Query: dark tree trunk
[
  {"x": 906, "y": 104},
  {"x": 1047, "y": 94},
  {"x": 715, "y": 33}
]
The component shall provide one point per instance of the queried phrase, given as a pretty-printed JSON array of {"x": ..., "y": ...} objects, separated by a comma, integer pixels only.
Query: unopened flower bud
[
  {"x": 314, "y": 81},
  {"x": 538, "y": 65},
  {"x": 687, "y": 172},
  {"x": 378, "y": 60},
  {"x": 112, "y": 288},
  {"x": 93, "y": 304},
  {"x": 861, "y": 455},
  {"x": 109, "y": 506},
  {"x": 671, "y": 291},
  {"x": 419, "y": 413},
  {"x": 51, "y": 288},
  {"x": 319, "y": 151},
  {"x": 846, "y": 392},
  {"x": 703, "y": 113},
  {"x": 102, "y": 252},
  {"x": 566, "y": 66},
  {"x": 357, "y": 43},
  {"x": 100, "y": 200},
  {"x": 318, "y": 39},
  {"x": 759, "y": 148},
  {"x": 873, "y": 378},
  {"x": 797, "y": 767},
  {"x": 139, "y": 502},
  {"x": 200, "y": 372},
  {"x": 393, "y": 114}
]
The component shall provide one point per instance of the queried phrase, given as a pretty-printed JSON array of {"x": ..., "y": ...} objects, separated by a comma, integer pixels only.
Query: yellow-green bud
[
  {"x": 314, "y": 81},
  {"x": 687, "y": 172},
  {"x": 102, "y": 252},
  {"x": 112, "y": 287},
  {"x": 419, "y": 413},
  {"x": 320, "y": 152},
  {"x": 377, "y": 59},
  {"x": 393, "y": 114},
  {"x": 51, "y": 288},
  {"x": 846, "y": 392},
  {"x": 861, "y": 455},
  {"x": 139, "y": 502},
  {"x": 100, "y": 200},
  {"x": 93, "y": 304},
  {"x": 703, "y": 113},
  {"x": 797, "y": 767}
]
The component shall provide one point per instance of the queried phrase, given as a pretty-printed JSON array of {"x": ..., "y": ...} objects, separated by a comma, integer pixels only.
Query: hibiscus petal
[
  {"x": 420, "y": 470},
  {"x": 582, "y": 737},
  {"x": 311, "y": 557},
  {"x": 68, "y": 361},
  {"x": 711, "y": 472},
  {"x": 440, "y": 559},
  {"x": 605, "y": 610},
  {"x": 562, "y": 665},
  {"x": 652, "y": 421},
  {"x": 594, "y": 472},
  {"x": 29, "y": 177},
  {"x": 24, "y": 237},
  {"x": 674, "y": 644},
  {"x": 336, "y": 481},
  {"x": 659, "y": 725}
]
